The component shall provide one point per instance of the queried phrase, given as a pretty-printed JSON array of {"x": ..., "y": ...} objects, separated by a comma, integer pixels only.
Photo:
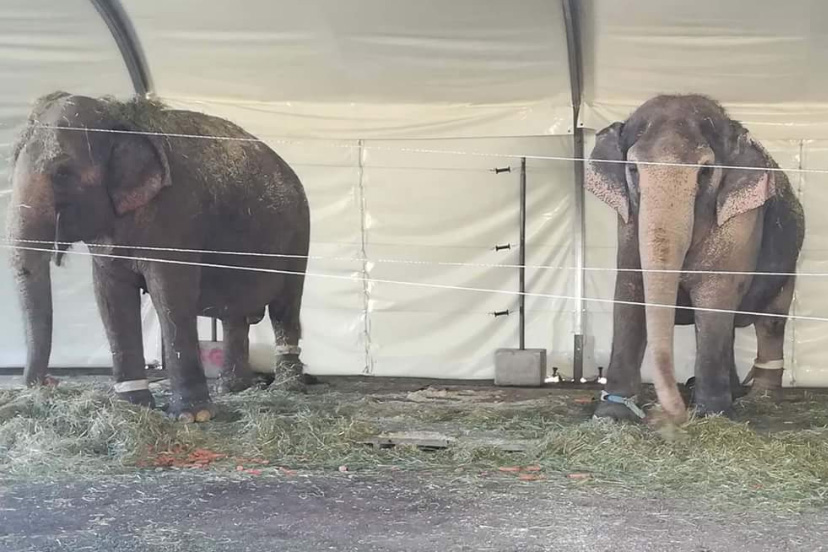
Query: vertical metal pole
[
  {"x": 522, "y": 253},
  {"x": 163, "y": 354},
  {"x": 573, "y": 42},
  {"x": 214, "y": 330},
  {"x": 579, "y": 246}
]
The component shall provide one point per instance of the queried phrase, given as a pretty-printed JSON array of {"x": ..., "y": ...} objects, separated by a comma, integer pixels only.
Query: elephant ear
[
  {"x": 608, "y": 180},
  {"x": 138, "y": 170},
  {"x": 749, "y": 184}
]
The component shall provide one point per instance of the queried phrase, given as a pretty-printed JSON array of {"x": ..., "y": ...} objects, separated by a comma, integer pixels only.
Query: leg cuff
[{"x": 133, "y": 385}]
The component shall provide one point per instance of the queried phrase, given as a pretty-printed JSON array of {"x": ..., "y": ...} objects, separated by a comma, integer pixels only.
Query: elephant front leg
[
  {"x": 236, "y": 374},
  {"x": 714, "y": 357},
  {"x": 629, "y": 340},
  {"x": 629, "y": 333},
  {"x": 119, "y": 303},
  {"x": 174, "y": 291}
]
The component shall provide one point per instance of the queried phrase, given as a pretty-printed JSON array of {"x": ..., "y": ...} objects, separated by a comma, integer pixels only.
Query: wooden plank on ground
[{"x": 433, "y": 440}]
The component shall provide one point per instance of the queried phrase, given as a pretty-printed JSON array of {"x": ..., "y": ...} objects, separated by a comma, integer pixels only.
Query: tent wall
[{"x": 394, "y": 113}]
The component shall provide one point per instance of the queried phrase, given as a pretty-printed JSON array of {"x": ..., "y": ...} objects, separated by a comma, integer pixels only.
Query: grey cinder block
[{"x": 520, "y": 368}]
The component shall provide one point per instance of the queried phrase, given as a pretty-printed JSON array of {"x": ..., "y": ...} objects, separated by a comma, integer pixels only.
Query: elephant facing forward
[
  {"x": 700, "y": 205},
  {"x": 137, "y": 180}
]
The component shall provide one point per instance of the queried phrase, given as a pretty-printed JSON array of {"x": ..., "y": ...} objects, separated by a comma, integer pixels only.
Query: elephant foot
[
  {"x": 715, "y": 406},
  {"x": 616, "y": 408},
  {"x": 135, "y": 392},
  {"x": 289, "y": 374},
  {"x": 235, "y": 383},
  {"x": 767, "y": 384},
  {"x": 140, "y": 398},
  {"x": 739, "y": 391},
  {"x": 44, "y": 381},
  {"x": 191, "y": 410}
]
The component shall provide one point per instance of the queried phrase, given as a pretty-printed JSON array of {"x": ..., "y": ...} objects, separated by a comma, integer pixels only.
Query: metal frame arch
[{"x": 122, "y": 30}]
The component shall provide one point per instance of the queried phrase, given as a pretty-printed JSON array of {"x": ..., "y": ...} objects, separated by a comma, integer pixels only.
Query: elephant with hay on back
[{"x": 159, "y": 195}]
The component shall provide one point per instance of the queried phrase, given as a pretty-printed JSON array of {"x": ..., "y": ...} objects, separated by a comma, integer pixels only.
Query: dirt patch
[{"x": 384, "y": 511}]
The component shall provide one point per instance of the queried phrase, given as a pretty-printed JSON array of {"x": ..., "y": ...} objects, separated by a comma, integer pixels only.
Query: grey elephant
[
  {"x": 159, "y": 200},
  {"x": 701, "y": 205}
]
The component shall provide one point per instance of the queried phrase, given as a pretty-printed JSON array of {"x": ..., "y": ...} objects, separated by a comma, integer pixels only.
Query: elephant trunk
[
  {"x": 665, "y": 233},
  {"x": 31, "y": 228}
]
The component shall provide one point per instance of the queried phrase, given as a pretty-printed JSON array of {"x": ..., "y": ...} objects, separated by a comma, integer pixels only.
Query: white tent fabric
[
  {"x": 762, "y": 60},
  {"x": 364, "y": 69},
  {"x": 393, "y": 113}
]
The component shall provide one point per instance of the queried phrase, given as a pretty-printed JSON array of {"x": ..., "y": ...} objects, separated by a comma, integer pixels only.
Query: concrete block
[{"x": 520, "y": 368}]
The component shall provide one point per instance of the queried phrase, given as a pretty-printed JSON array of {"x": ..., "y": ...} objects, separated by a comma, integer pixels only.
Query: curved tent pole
[
  {"x": 573, "y": 45},
  {"x": 119, "y": 24}
]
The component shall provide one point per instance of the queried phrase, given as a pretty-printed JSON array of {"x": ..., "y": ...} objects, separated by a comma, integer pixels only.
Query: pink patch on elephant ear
[
  {"x": 745, "y": 197},
  {"x": 132, "y": 199}
]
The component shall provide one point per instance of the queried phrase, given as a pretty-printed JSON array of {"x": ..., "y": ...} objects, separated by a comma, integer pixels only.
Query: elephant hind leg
[
  {"x": 236, "y": 374},
  {"x": 284, "y": 315},
  {"x": 770, "y": 336}
]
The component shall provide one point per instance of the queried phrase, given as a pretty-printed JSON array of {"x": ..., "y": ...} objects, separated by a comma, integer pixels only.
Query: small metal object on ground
[{"x": 520, "y": 367}]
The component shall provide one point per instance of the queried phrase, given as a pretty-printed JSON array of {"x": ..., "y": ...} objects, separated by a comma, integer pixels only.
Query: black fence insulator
[
  {"x": 502, "y": 247},
  {"x": 500, "y": 313}
]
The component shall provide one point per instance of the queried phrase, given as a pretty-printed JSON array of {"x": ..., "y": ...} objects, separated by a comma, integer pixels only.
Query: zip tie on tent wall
[
  {"x": 426, "y": 263},
  {"x": 417, "y": 284},
  {"x": 433, "y": 151}
]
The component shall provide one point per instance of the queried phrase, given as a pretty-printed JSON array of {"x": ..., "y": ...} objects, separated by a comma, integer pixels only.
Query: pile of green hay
[{"x": 78, "y": 430}]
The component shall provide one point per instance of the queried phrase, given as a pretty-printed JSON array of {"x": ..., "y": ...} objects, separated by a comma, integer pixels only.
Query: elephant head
[
  {"x": 678, "y": 163},
  {"x": 70, "y": 184}
]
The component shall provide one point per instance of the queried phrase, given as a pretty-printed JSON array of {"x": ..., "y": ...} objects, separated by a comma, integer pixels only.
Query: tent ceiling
[
  {"x": 762, "y": 60},
  {"x": 410, "y": 64}
]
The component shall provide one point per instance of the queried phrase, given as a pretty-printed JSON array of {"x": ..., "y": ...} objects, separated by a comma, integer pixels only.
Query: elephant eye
[{"x": 63, "y": 173}]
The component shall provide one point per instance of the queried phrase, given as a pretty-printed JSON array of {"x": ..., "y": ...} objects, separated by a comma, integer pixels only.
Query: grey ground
[
  {"x": 188, "y": 512},
  {"x": 377, "y": 510}
]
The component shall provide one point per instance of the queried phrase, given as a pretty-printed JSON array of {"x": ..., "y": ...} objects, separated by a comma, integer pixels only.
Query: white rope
[
  {"x": 432, "y": 263},
  {"x": 420, "y": 284},
  {"x": 434, "y": 151}
]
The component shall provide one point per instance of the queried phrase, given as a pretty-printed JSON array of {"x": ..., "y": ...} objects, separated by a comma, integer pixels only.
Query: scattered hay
[{"x": 75, "y": 430}]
